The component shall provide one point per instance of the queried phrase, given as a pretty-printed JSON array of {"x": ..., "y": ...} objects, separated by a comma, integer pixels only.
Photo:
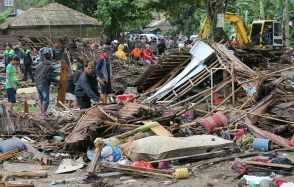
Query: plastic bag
[{"x": 141, "y": 164}]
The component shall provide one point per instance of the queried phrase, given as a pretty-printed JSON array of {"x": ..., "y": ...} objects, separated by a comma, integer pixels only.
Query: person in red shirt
[{"x": 148, "y": 55}]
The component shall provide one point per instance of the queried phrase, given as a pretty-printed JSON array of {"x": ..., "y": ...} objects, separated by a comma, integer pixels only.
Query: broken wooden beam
[
  {"x": 268, "y": 164},
  {"x": 138, "y": 170},
  {"x": 24, "y": 174},
  {"x": 189, "y": 156},
  {"x": 10, "y": 154}
]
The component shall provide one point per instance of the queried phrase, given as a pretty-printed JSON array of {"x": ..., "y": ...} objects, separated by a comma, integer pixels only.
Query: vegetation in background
[{"x": 4, "y": 15}]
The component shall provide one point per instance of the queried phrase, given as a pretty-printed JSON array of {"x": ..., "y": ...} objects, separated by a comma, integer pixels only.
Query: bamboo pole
[
  {"x": 198, "y": 120},
  {"x": 266, "y": 75},
  {"x": 233, "y": 85},
  {"x": 182, "y": 112},
  {"x": 199, "y": 94}
]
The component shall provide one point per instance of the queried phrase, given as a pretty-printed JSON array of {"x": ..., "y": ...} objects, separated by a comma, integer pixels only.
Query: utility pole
[
  {"x": 287, "y": 22},
  {"x": 52, "y": 1}
]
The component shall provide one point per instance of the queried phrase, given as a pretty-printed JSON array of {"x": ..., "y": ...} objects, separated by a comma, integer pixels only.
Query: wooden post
[
  {"x": 233, "y": 84},
  {"x": 62, "y": 83}
]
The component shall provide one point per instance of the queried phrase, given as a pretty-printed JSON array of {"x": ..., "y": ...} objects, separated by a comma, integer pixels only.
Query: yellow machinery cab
[{"x": 272, "y": 28}]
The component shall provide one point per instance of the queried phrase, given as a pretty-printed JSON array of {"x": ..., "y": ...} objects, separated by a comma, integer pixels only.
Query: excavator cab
[{"x": 267, "y": 32}]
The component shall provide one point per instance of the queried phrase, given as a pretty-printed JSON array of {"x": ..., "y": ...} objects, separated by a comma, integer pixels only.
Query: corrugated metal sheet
[
  {"x": 150, "y": 29},
  {"x": 54, "y": 14},
  {"x": 200, "y": 52},
  {"x": 156, "y": 23}
]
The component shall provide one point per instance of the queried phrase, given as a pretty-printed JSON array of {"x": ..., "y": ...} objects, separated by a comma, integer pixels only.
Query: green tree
[
  {"x": 119, "y": 16},
  {"x": 4, "y": 15},
  {"x": 27, "y": 4}
]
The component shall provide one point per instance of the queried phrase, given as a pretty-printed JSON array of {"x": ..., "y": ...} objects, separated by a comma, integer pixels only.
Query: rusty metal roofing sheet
[{"x": 54, "y": 14}]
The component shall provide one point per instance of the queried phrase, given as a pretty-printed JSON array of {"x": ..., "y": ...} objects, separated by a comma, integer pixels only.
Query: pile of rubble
[{"x": 190, "y": 93}]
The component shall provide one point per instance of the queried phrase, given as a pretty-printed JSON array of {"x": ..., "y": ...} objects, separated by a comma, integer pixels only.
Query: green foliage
[
  {"x": 4, "y": 15},
  {"x": 170, "y": 33},
  {"x": 27, "y": 4},
  {"x": 119, "y": 16}
]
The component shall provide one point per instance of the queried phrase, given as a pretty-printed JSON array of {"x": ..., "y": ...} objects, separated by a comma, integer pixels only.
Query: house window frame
[{"x": 7, "y": 2}]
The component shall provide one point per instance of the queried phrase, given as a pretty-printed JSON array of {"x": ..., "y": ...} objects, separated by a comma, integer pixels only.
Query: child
[{"x": 11, "y": 80}]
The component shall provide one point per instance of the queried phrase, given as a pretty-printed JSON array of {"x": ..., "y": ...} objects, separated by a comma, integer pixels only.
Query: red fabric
[
  {"x": 240, "y": 133},
  {"x": 101, "y": 57},
  {"x": 217, "y": 98},
  {"x": 141, "y": 164},
  {"x": 279, "y": 182},
  {"x": 292, "y": 141},
  {"x": 186, "y": 114},
  {"x": 149, "y": 53},
  {"x": 260, "y": 159}
]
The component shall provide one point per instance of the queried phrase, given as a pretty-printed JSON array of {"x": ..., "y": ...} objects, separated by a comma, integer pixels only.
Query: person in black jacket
[
  {"x": 27, "y": 61},
  {"x": 57, "y": 52},
  {"x": 86, "y": 90},
  {"x": 44, "y": 76}
]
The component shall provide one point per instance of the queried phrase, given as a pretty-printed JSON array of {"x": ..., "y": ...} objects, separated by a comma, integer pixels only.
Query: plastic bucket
[{"x": 262, "y": 144}]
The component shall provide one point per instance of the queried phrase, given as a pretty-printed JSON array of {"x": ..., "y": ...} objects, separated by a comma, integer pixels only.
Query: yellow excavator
[{"x": 272, "y": 27}]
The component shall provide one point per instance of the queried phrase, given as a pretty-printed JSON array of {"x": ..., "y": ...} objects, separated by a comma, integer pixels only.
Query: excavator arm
[{"x": 237, "y": 22}]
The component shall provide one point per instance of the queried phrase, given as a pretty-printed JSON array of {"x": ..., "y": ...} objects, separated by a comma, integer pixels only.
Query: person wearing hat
[
  {"x": 86, "y": 90},
  {"x": 7, "y": 53},
  {"x": 44, "y": 76},
  {"x": 57, "y": 52},
  {"x": 25, "y": 54},
  {"x": 12, "y": 82},
  {"x": 104, "y": 71},
  {"x": 41, "y": 51}
]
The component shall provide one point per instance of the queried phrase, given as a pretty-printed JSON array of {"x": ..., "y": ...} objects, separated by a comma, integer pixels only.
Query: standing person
[
  {"x": 153, "y": 47},
  {"x": 41, "y": 51},
  {"x": 86, "y": 90},
  {"x": 57, "y": 52},
  {"x": 161, "y": 47},
  {"x": 44, "y": 76},
  {"x": 104, "y": 71},
  {"x": 11, "y": 80},
  {"x": 71, "y": 85},
  {"x": 148, "y": 55},
  {"x": 8, "y": 52},
  {"x": 25, "y": 54},
  {"x": 120, "y": 52}
]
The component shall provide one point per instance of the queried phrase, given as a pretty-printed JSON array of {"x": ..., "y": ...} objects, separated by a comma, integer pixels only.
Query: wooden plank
[
  {"x": 10, "y": 154},
  {"x": 145, "y": 169},
  {"x": 161, "y": 131},
  {"x": 27, "y": 90},
  {"x": 201, "y": 155},
  {"x": 268, "y": 164},
  {"x": 62, "y": 83},
  {"x": 20, "y": 183},
  {"x": 24, "y": 174}
]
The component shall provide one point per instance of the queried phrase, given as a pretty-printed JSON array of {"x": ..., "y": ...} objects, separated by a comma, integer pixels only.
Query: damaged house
[{"x": 52, "y": 21}]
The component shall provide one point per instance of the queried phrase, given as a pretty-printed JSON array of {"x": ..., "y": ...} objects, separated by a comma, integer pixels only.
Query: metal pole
[{"x": 287, "y": 22}]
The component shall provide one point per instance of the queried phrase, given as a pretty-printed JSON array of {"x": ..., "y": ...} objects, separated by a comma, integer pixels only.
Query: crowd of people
[
  {"x": 82, "y": 85},
  {"x": 140, "y": 48}
]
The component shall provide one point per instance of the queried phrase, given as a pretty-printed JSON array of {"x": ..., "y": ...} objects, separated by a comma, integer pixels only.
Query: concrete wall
[{"x": 56, "y": 32}]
